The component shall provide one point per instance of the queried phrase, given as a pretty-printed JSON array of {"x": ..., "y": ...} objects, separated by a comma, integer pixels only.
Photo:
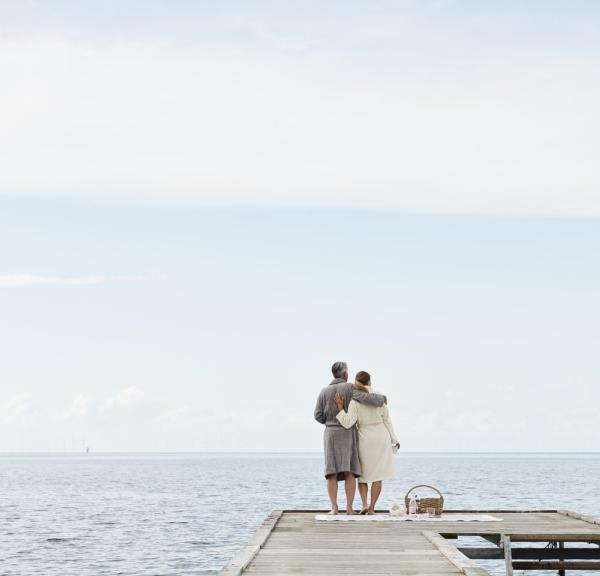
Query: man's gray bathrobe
[{"x": 341, "y": 444}]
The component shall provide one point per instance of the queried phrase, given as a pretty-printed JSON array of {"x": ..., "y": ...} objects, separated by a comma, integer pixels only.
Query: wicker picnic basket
[{"x": 424, "y": 503}]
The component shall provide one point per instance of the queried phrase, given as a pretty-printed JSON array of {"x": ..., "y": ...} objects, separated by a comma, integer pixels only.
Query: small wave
[{"x": 56, "y": 539}]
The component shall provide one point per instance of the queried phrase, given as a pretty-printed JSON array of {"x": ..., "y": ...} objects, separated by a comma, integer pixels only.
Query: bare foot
[
  {"x": 349, "y": 511},
  {"x": 333, "y": 512},
  {"x": 371, "y": 512}
]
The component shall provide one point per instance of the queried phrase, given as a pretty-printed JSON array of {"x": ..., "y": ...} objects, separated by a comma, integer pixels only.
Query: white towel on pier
[{"x": 408, "y": 518}]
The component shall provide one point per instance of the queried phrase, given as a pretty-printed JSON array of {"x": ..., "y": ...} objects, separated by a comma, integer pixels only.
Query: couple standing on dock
[{"x": 360, "y": 442}]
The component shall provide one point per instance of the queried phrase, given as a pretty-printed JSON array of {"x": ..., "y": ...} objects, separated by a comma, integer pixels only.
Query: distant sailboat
[{"x": 87, "y": 449}]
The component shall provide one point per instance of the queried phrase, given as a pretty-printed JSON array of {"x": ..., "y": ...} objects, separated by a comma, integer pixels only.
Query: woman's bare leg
[
  {"x": 332, "y": 489},
  {"x": 363, "y": 490},
  {"x": 350, "y": 491},
  {"x": 375, "y": 492}
]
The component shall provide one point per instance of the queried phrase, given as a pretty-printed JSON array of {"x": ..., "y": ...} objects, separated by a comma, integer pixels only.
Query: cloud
[
  {"x": 124, "y": 399},
  {"x": 79, "y": 407},
  {"x": 18, "y": 280},
  {"x": 498, "y": 129},
  {"x": 16, "y": 407}
]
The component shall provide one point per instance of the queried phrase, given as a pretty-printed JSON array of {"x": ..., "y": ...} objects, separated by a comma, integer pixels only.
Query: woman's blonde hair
[{"x": 362, "y": 380}]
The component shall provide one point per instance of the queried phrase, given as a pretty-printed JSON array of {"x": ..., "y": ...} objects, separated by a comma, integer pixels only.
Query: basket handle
[{"x": 422, "y": 486}]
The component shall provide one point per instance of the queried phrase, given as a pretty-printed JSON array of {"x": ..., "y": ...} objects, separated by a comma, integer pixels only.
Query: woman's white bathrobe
[{"x": 375, "y": 439}]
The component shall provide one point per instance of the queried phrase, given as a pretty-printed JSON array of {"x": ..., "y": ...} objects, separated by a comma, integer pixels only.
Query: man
[{"x": 341, "y": 445}]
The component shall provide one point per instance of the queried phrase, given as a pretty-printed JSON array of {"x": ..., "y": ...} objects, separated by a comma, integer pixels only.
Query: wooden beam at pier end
[
  {"x": 508, "y": 561},
  {"x": 556, "y": 565},
  {"x": 489, "y": 553}
]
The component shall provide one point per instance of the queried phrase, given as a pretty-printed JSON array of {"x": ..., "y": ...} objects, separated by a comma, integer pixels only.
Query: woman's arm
[
  {"x": 388, "y": 425},
  {"x": 348, "y": 419}
]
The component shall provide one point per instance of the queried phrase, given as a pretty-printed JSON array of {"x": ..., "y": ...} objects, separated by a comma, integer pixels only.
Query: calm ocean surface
[{"x": 188, "y": 513}]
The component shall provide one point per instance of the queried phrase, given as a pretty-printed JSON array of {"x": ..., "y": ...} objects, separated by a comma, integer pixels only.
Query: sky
[{"x": 204, "y": 205}]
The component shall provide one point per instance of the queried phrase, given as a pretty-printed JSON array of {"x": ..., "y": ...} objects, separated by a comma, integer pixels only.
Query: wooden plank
[
  {"x": 499, "y": 511},
  {"x": 578, "y": 516},
  {"x": 490, "y": 553},
  {"x": 464, "y": 564},
  {"x": 508, "y": 562},
  {"x": 377, "y": 571},
  {"x": 562, "y": 537},
  {"x": 275, "y": 552},
  {"x": 556, "y": 565},
  {"x": 243, "y": 558}
]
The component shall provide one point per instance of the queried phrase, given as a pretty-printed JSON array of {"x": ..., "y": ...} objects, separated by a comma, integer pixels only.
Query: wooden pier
[{"x": 294, "y": 542}]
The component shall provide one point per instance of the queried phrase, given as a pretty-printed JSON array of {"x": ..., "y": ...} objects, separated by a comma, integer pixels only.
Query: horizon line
[
  {"x": 135, "y": 202},
  {"x": 295, "y": 452}
]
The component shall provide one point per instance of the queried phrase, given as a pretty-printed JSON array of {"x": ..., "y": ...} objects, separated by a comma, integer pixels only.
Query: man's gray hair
[{"x": 338, "y": 369}]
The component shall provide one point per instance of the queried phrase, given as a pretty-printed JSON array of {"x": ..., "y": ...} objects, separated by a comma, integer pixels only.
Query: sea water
[{"x": 163, "y": 514}]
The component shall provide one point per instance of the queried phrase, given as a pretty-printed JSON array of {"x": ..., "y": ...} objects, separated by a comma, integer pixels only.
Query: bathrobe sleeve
[
  {"x": 369, "y": 398},
  {"x": 320, "y": 415},
  {"x": 388, "y": 425},
  {"x": 348, "y": 419}
]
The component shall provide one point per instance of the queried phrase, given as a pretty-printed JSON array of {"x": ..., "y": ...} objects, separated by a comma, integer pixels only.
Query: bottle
[{"x": 412, "y": 505}]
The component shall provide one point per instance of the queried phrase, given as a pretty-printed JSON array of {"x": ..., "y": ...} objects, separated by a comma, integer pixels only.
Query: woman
[{"x": 375, "y": 440}]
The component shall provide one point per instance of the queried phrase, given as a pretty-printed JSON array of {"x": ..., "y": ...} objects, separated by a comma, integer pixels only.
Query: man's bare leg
[
  {"x": 350, "y": 486},
  {"x": 332, "y": 490},
  {"x": 375, "y": 492},
  {"x": 363, "y": 490}
]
